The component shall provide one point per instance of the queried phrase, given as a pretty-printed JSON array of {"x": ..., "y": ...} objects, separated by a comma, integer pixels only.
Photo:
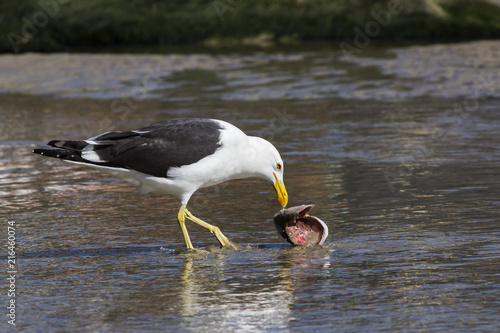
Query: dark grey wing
[
  {"x": 152, "y": 150},
  {"x": 157, "y": 147}
]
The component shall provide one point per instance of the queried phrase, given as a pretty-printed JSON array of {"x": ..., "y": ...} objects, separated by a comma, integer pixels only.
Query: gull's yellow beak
[{"x": 279, "y": 186}]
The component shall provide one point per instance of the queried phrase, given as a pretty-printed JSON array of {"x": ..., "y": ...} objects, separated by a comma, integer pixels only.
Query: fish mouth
[{"x": 300, "y": 229}]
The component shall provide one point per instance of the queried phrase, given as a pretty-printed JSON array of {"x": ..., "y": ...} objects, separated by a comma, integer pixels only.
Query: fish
[{"x": 299, "y": 228}]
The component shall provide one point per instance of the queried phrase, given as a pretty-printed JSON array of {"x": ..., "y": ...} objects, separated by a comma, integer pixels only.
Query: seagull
[{"x": 178, "y": 157}]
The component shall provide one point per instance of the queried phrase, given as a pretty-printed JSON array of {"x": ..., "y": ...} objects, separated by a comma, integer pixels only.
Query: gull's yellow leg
[
  {"x": 181, "y": 217},
  {"x": 223, "y": 240}
]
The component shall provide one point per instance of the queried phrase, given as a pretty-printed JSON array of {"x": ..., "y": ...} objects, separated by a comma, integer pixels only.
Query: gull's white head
[{"x": 265, "y": 162}]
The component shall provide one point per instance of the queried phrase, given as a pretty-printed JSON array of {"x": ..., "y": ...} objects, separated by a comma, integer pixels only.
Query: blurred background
[
  {"x": 386, "y": 114},
  {"x": 63, "y": 25}
]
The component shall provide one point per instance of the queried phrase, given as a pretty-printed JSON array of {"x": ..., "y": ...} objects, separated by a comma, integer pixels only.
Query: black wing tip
[{"x": 59, "y": 153}]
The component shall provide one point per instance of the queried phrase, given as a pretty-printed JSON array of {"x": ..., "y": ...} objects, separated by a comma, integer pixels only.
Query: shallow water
[{"x": 398, "y": 149}]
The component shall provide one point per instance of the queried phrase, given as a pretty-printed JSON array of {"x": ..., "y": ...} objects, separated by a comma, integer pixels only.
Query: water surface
[{"x": 397, "y": 148}]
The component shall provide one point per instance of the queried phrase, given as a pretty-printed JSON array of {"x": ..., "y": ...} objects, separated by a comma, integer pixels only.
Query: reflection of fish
[{"x": 299, "y": 228}]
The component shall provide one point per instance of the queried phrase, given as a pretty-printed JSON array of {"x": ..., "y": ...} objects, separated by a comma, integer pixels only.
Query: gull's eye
[{"x": 278, "y": 166}]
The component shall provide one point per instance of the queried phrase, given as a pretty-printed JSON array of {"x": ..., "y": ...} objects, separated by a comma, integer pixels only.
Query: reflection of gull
[
  {"x": 178, "y": 157},
  {"x": 212, "y": 303},
  {"x": 256, "y": 311}
]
